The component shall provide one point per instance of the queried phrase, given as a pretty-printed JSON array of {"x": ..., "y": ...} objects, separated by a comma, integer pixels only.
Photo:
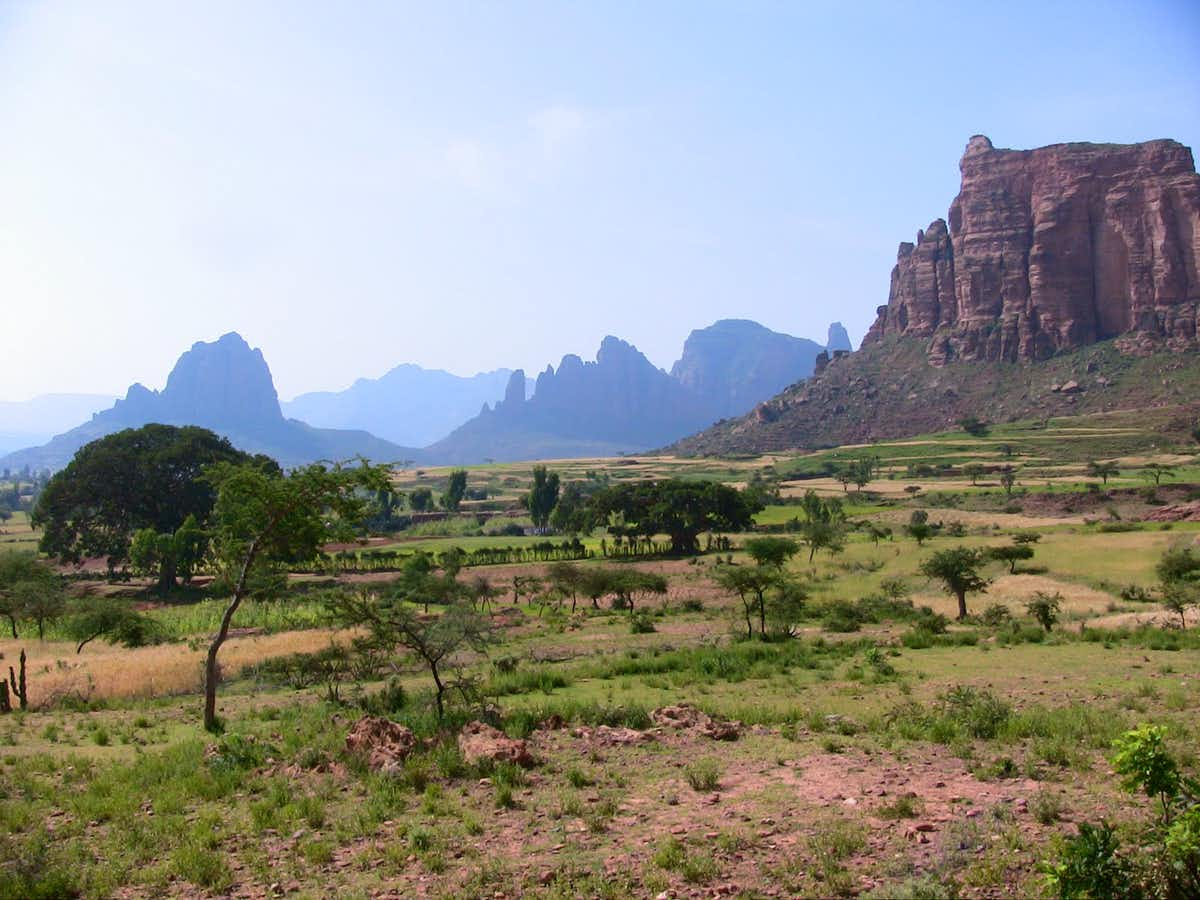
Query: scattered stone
[
  {"x": 478, "y": 740},
  {"x": 384, "y": 743},
  {"x": 687, "y": 716}
]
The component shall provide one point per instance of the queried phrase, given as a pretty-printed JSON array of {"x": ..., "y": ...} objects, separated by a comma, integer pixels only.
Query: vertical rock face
[{"x": 1052, "y": 249}]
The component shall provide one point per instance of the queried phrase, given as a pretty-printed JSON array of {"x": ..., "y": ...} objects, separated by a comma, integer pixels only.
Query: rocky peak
[
  {"x": 514, "y": 392},
  {"x": 837, "y": 339},
  {"x": 224, "y": 381},
  {"x": 1052, "y": 249}
]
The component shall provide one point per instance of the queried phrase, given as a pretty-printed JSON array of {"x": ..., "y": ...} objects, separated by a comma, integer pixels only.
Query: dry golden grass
[{"x": 105, "y": 671}]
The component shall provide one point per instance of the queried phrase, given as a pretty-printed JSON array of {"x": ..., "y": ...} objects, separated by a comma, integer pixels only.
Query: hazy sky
[{"x": 468, "y": 186}]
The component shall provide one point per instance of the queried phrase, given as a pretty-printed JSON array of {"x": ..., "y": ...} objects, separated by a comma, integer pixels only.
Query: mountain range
[
  {"x": 408, "y": 405},
  {"x": 619, "y": 403},
  {"x": 225, "y": 386}
]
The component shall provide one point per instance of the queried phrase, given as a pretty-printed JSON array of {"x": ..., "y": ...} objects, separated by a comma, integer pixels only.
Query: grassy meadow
[{"x": 883, "y": 751}]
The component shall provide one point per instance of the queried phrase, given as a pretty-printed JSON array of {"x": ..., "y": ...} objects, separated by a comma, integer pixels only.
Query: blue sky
[{"x": 469, "y": 186}]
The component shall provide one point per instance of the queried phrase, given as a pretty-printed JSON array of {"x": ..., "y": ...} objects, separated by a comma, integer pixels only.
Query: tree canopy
[
  {"x": 542, "y": 496},
  {"x": 148, "y": 477},
  {"x": 675, "y": 507}
]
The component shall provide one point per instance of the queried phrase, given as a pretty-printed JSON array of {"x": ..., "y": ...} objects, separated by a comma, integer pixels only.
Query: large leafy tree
[
  {"x": 542, "y": 496},
  {"x": 675, "y": 507},
  {"x": 263, "y": 518},
  {"x": 146, "y": 477},
  {"x": 958, "y": 570}
]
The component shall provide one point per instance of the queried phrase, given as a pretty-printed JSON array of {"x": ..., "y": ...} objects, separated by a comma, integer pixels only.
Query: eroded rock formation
[{"x": 1053, "y": 249}]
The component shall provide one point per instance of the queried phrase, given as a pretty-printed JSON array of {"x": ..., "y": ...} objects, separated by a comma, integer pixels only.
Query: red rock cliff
[{"x": 1052, "y": 249}]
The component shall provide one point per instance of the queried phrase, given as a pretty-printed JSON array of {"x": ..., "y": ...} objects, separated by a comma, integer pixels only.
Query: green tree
[
  {"x": 1103, "y": 470},
  {"x": 1179, "y": 575},
  {"x": 262, "y": 518},
  {"x": 626, "y": 584},
  {"x": 1044, "y": 608},
  {"x": 675, "y": 507},
  {"x": 1156, "y": 472},
  {"x": 1011, "y": 554},
  {"x": 112, "y": 619},
  {"x": 146, "y": 477},
  {"x": 456, "y": 488},
  {"x": 169, "y": 556},
  {"x": 542, "y": 496},
  {"x": 16, "y": 569},
  {"x": 393, "y": 622},
  {"x": 1008, "y": 479},
  {"x": 918, "y": 527},
  {"x": 973, "y": 471},
  {"x": 824, "y": 524},
  {"x": 567, "y": 578},
  {"x": 421, "y": 499},
  {"x": 958, "y": 570},
  {"x": 571, "y": 514},
  {"x": 41, "y": 601},
  {"x": 771, "y": 551},
  {"x": 750, "y": 584},
  {"x": 973, "y": 426}
]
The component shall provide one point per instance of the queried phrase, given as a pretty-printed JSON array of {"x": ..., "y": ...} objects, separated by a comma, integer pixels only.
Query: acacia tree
[
  {"x": 824, "y": 524},
  {"x": 1011, "y": 554},
  {"x": 542, "y": 496},
  {"x": 1103, "y": 470},
  {"x": 771, "y": 551},
  {"x": 263, "y": 518},
  {"x": 958, "y": 570},
  {"x": 393, "y": 621}
]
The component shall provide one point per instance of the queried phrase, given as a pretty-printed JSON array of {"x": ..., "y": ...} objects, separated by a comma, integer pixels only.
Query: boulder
[
  {"x": 687, "y": 716},
  {"x": 478, "y": 741},
  {"x": 384, "y": 743}
]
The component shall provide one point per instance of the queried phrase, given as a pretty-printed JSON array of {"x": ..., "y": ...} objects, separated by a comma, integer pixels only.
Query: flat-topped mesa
[{"x": 1052, "y": 249}]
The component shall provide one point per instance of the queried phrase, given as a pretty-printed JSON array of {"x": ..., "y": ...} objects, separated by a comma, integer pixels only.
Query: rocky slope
[
  {"x": 1053, "y": 249},
  {"x": 227, "y": 387},
  {"x": 1065, "y": 281}
]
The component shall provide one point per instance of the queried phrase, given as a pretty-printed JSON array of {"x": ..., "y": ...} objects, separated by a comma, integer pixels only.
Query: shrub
[
  {"x": 704, "y": 775},
  {"x": 995, "y": 615},
  {"x": 1088, "y": 865},
  {"x": 641, "y": 622}
]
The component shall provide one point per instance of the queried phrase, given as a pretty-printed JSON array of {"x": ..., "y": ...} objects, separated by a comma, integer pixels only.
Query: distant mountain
[
  {"x": 619, "y": 403},
  {"x": 735, "y": 363},
  {"x": 225, "y": 386},
  {"x": 29, "y": 422},
  {"x": 838, "y": 339},
  {"x": 409, "y": 405},
  {"x": 622, "y": 403}
]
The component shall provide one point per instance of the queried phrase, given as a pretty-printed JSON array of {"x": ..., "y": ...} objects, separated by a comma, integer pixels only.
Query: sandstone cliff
[{"x": 1053, "y": 249}]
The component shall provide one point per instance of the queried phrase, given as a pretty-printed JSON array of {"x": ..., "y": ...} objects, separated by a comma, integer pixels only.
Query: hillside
[
  {"x": 889, "y": 389},
  {"x": 1066, "y": 281}
]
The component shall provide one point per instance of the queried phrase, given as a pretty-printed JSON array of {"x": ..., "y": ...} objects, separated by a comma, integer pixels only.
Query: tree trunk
[
  {"x": 166, "y": 576},
  {"x": 962, "y": 605},
  {"x": 211, "y": 674},
  {"x": 441, "y": 709},
  {"x": 762, "y": 616},
  {"x": 12, "y": 622}
]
